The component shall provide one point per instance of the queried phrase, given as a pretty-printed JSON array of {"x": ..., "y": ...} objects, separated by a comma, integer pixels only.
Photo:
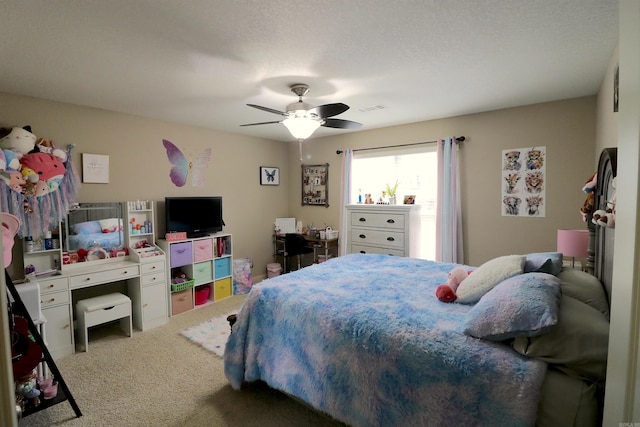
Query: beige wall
[
  {"x": 139, "y": 168},
  {"x": 566, "y": 128},
  {"x": 607, "y": 120}
]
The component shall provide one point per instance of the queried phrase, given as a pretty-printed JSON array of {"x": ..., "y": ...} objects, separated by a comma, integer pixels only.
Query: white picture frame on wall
[
  {"x": 269, "y": 175},
  {"x": 95, "y": 168}
]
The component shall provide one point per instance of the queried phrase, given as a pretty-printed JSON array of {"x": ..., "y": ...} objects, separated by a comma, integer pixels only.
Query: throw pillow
[
  {"x": 488, "y": 275},
  {"x": 523, "y": 305}
]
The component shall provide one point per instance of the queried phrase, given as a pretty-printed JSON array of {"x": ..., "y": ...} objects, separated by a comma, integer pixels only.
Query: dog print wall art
[{"x": 523, "y": 182}]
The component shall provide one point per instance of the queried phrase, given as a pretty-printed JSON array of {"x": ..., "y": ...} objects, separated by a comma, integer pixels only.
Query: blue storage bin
[{"x": 222, "y": 267}]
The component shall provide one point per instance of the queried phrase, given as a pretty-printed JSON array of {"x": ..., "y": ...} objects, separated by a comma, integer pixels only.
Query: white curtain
[
  {"x": 449, "y": 213},
  {"x": 345, "y": 196}
]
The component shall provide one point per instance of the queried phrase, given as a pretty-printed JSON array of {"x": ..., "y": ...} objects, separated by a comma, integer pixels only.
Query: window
[{"x": 416, "y": 172}]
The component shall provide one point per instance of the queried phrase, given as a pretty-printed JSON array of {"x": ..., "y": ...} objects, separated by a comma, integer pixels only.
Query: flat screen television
[{"x": 197, "y": 216}]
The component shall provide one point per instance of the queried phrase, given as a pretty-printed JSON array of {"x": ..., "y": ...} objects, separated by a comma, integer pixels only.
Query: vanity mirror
[{"x": 92, "y": 231}]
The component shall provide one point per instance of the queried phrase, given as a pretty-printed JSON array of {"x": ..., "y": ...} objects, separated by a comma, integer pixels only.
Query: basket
[
  {"x": 331, "y": 234},
  {"x": 177, "y": 287},
  {"x": 202, "y": 294}
]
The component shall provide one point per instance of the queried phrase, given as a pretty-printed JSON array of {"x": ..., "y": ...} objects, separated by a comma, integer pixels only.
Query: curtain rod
[{"x": 458, "y": 139}]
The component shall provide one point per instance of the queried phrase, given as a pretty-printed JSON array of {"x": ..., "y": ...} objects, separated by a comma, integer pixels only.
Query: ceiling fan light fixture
[{"x": 301, "y": 126}]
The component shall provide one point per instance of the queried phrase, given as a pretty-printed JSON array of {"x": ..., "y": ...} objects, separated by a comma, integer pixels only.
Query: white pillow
[
  {"x": 484, "y": 278},
  {"x": 110, "y": 225}
]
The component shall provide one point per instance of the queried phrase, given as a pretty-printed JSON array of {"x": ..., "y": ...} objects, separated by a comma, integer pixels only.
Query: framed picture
[
  {"x": 315, "y": 185},
  {"x": 410, "y": 200},
  {"x": 95, "y": 168},
  {"x": 269, "y": 175}
]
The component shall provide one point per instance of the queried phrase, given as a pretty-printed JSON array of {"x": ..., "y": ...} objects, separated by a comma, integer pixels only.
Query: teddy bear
[
  {"x": 20, "y": 140},
  {"x": 447, "y": 291},
  {"x": 589, "y": 188}
]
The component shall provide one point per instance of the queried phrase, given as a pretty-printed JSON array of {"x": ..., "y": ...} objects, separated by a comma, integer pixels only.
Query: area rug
[{"x": 212, "y": 334}]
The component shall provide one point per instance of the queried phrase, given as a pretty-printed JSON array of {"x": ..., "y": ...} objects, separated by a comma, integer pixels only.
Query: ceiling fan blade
[
  {"x": 261, "y": 123},
  {"x": 267, "y": 109},
  {"x": 341, "y": 124},
  {"x": 329, "y": 110}
]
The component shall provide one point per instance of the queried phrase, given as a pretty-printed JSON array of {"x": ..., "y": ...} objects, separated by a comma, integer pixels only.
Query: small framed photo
[
  {"x": 269, "y": 175},
  {"x": 410, "y": 200}
]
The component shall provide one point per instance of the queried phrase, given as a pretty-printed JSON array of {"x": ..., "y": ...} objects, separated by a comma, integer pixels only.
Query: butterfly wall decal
[{"x": 182, "y": 166}]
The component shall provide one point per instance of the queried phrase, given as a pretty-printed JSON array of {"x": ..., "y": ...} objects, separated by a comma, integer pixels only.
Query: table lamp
[{"x": 574, "y": 244}]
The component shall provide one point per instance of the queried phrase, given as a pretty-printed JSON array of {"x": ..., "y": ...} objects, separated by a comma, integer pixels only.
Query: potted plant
[{"x": 391, "y": 192}]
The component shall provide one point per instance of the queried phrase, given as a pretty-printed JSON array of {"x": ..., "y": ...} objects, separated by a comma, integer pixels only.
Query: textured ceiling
[{"x": 199, "y": 62}]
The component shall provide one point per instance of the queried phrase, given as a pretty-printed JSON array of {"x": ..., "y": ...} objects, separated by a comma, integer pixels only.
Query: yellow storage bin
[{"x": 222, "y": 289}]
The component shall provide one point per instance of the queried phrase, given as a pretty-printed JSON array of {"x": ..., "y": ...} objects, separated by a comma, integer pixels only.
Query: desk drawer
[
  {"x": 54, "y": 298},
  {"x": 50, "y": 284},
  {"x": 152, "y": 279},
  {"x": 152, "y": 267},
  {"x": 202, "y": 250},
  {"x": 391, "y": 239},
  {"x": 181, "y": 254},
  {"x": 378, "y": 220},
  {"x": 105, "y": 276}
]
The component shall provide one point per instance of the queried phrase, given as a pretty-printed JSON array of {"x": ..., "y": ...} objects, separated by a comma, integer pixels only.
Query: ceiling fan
[{"x": 302, "y": 119}]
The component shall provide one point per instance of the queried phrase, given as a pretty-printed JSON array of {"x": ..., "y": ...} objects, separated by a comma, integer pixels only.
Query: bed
[{"x": 364, "y": 339}]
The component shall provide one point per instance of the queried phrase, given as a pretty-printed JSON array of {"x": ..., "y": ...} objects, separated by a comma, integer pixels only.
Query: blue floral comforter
[{"x": 364, "y": 339}]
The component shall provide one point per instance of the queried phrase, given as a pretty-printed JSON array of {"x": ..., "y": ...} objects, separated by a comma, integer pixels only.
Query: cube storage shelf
[{"x": 206, "y": 261}]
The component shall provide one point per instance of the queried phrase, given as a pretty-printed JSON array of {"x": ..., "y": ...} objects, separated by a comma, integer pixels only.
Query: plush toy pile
[
  {"x": 40, "y": 181},
  {"x": 602, "y": 217}
]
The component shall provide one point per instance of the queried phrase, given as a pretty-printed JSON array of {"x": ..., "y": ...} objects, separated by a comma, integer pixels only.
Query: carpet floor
[{"x": 159, "y": 378}]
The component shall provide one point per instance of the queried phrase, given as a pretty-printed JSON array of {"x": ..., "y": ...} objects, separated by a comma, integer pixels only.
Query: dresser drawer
[
  {"x": 106, "y": 276},
  {"x": 203, "y": 272},
  {"x": 54, "y": 298},
  {"x": 378, "y": 220},
  {"x": 152, "y": 267},
  {"x": 391, "y": 239},
  {"x": 53, "y": 284},
  {"x": 202, "y": 250},
  {"x": 152, "y": 279},
  {"x": 181, "y": 254},
  {"x": 363, "y": 249}
]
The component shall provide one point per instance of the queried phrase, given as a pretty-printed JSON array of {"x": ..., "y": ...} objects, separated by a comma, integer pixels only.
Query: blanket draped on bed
[{"x": 364, "y": 339}]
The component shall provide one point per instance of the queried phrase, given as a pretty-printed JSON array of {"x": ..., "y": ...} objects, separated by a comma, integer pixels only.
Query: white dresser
[{"x": 384, "y": 229}]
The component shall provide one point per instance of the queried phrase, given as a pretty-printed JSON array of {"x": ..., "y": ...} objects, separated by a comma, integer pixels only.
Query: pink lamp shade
[{"x": 573, "y": 243}]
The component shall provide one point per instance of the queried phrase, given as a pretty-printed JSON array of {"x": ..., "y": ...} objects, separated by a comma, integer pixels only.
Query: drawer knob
[
  {"x": 390, "y": 239},
  {"x": 363, "y": 252},
  {"x": 362, "y": 236},
  {"x": 146, "y": 305},
  {"x": 52, "y": 286},
  {"x": 154, "y": 267},
  {"x": 87, "y": 279},
  {"x": 390, "y": 221},
  {"x": 52, "y": 299},
  {"x": 362, "y": 220},
  {"x": 67, "y": 326},
  {"x": 125, "y": 272}
]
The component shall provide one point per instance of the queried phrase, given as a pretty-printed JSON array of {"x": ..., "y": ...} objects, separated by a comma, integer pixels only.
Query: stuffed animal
[
  {"x": 47, "y": 146},
  {"x": 45, "y": 171},
  {"x": 447, "y": 291},
  {"x": 590, "y": 185},
  {"x": 607, "y": 217},
  {"x": 19, "y": 140}
]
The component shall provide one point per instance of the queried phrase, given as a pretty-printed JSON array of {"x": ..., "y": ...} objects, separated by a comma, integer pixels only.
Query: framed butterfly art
[
  {"x": 269, "y": 175},
  {"x": 182, "y": 166}
]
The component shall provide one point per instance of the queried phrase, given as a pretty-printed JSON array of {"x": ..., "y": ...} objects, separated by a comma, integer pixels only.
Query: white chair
[{"x": 102, "y": 309}]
